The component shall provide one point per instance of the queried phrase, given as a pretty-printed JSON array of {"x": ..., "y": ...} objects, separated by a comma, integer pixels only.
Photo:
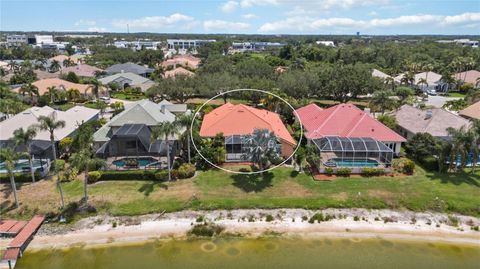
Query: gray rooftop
[
  {"x": 434, "y": 121},
  {"x": 140, "y": 112},
  {"x": 128, "y": 68}
]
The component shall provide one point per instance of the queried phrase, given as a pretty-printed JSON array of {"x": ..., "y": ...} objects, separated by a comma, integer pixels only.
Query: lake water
[{"x": 274, "y": 252}]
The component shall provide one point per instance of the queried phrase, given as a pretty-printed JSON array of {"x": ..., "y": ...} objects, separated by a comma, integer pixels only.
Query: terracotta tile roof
[
  {"x": 241, "y": 119},
  {"x": 81, "y": 70},
  {"x": 61, "y": 58},
  {"x": 415, "y": 120},
  {"x": 185, "y": 60},
  {"x": 43, "y": 85},
  {"x": 470, "y": 76},
  {"x": 308, "y": 112},
  {"x": 179, "y": 71},
  {"x": 472, "y": 111},
  {"x": 345, "y": 120}
]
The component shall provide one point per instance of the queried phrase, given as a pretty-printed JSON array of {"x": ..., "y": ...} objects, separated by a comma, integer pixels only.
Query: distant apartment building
[
  {"x": 254, "y": 46},
  {"x": 43, "y": 39},
  {"x": 461, "y": 42},
  {"x": 326, "y": 43},
  {"x": 138, "y": 45},
  {"x": 187, "y": 43},
  {"x": 16, "y": 40}
]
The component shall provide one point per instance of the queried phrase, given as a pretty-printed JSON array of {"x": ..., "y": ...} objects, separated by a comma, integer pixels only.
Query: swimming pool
[
  {"x": 354, "y": 163},
  {"x": 23, "y": 166},
  {"x": 140, "y": 161}
]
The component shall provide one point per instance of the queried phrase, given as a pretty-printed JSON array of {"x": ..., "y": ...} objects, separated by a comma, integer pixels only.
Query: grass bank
[{"x": 281, "y": 188}]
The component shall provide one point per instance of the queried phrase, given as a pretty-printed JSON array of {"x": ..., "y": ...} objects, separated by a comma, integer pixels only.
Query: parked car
[{"x": 105, "y": 99}]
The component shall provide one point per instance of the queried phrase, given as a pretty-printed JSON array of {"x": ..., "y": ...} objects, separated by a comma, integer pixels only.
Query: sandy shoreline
[{"x": 351, "y": 223}]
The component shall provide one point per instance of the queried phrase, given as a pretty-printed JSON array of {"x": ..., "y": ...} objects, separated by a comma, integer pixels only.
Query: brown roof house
[
  {"x": 60, "y": 84},
  {"x": 189, "y": 61},
  {"x": 435, "y": 121},
  {"x": 471, "y": 112},
  {"x": 471, "y": 77},
  {"x": 81, "y": 70},
  {"x": 179, "y": 71}
]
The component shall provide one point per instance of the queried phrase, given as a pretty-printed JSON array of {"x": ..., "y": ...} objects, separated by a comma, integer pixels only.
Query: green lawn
[
  {"x": 285, "y": 188},
  {"x": 281, "y": 188},
  {"x": 456, "y": 94},
  {"x": 129, "y": 97}
]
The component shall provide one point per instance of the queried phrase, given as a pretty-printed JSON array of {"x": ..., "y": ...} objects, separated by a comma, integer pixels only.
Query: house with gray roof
[
  {"x": 125, "y": 80},
  {"x": 129, "y": 68},
  {"x": 435, "y": 121},
  {"x": 41, "y": 145},
  {"x": 127, "y": 135}
]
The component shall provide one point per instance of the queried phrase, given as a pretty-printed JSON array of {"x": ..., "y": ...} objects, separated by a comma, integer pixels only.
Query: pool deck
[{"x": 112, "y": 166}]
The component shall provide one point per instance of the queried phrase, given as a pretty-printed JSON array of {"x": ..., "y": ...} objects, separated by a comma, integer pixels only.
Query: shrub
[
  {"x": 371, "y": 171},
  {"x": 19, "y": 177},
  {"x": 329, "y": 171},
  {"x": 200, "y": 218},
  {"x": 69, "y": 174},
  {"x": 318, "y": 217},
  {"x": 269, "y": 218},
  {"x": 430, "y": 163},
  {"x": 186, "y": 170},
  {"x": 93, "y": 176},
  {"x": 206, "y": 229},
  {"x": 161, "y": 175},
  {"x": 58, "y": 164},
  {"x": 356, "y": 218},
  {"x": 344, "y": 172},
  {"x": 128, "y": 175},
  {"x": 408, "y": 167}
]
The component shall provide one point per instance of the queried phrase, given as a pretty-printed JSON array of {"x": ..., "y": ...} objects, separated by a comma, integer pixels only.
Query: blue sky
[{"x": 245, "y": 16}]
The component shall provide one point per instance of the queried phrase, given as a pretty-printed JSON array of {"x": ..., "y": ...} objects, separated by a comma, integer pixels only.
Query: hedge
[
  {"x": 128, "y": 175},
  {"x": 19, "y": 177},
  {"x": 372, "y": 172}
]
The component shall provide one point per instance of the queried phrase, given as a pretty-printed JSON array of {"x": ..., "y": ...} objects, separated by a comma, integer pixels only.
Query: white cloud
[
  {"x": 96, "y": 29},
  {"x": 85, "y": 23},
  {"x": 153, "y": 22},
  {"x": 305, "y": 24},
  {"x": 462, "y": 18},
  {"x": 249, "y": 16},
  {"x": 372, "y": 13},
  {"x": 226, "y": 26},
  {"x": 229, "y": 6}
]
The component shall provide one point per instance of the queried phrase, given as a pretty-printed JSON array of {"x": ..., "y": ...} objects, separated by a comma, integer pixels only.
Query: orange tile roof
[
  {"x": 470, "y": 76},
  {"x": 43, "y": 85},
  {"x": 61, "y": 58},
  {"x": 241, "y": 119},
  {"x": 179, "y": 71},
  {"x": 186, "y": 60},
  {"x": 472, "y": 111}
]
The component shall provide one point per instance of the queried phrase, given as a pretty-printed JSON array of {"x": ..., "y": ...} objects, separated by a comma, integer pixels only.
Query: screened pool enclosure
[{"x": 353, "y": 152}]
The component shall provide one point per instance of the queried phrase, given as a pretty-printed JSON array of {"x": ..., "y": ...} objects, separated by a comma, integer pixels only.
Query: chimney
[{"x": 429, "y": 114}]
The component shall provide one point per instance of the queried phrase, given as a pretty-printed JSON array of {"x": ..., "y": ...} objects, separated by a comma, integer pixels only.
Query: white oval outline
[{"x": 253, "y": 172}]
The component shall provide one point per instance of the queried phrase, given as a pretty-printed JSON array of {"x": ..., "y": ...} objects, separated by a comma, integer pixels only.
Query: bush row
[
  {"x": 342, "y": 172},
  {"x": 183, "y": 171},
  {"x": 19, "y": 177}
]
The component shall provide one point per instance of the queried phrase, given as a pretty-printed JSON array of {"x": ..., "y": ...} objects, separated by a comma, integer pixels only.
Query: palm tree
[
  {"x": 381, "y": 100},
  {"x": 390, "y": 81},
  {"x": 96, "y": 86},
  {"x": 84, "y": 160},
  {"x": 422, "y": 81},
  {"x": 73, "y": 94},
  {"x": 166, "y": 130},
  {"x": 475, "y": 139},
  {"x": 68, "y": 62},
  {"x": 30, "y": 89},
  {"x": 50, "y": 124},
  {"x": 10, "y": 158},
  {"x": 460, "y": 146},
  {"x": 186, "y": 121},
  {"x": 52, "y": 93},
  {"x": 261, "y": 148},
  {"x": 24, "y": 138},
  {"x": 54, "y": 66}
]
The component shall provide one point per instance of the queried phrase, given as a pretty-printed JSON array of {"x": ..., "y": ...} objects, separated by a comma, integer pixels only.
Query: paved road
[{"x": 439, "y": 101}]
